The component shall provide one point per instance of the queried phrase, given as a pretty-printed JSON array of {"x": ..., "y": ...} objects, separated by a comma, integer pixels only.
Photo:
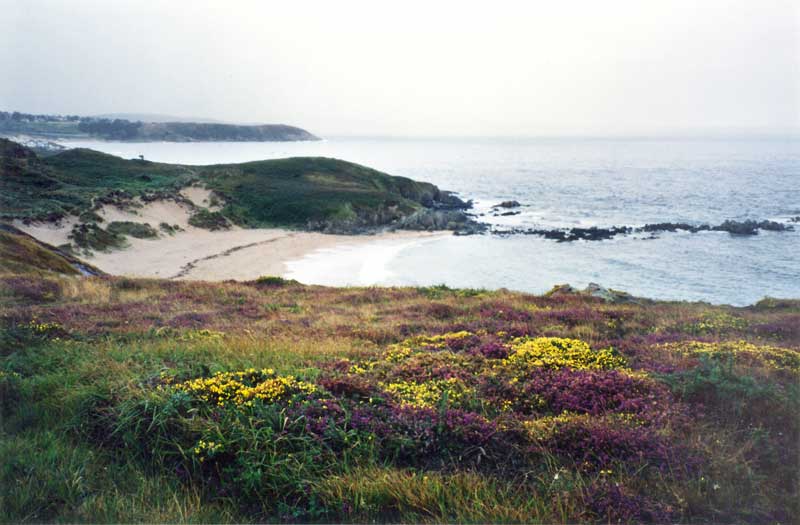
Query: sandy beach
[
  {"x": 215, "y": 256},
  {"x": 198, "y": 254}
]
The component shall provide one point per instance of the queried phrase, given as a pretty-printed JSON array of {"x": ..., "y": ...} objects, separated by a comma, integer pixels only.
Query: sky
[{"x": 413, "y": 68}]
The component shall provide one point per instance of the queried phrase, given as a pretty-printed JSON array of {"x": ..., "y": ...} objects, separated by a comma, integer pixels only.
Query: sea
[{"x": 564, "y": 182}]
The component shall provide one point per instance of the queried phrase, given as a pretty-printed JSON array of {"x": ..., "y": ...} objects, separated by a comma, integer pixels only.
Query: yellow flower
[
  {"x": 556, "y": 352},
  {"x": 430, "y": 393},
  {"x": 777, "y": 358},
  {"x": 233, "y": 388}
]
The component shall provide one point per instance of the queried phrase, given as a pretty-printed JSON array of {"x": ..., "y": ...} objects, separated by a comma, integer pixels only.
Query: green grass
[
  {"x": 302, "y": 191},
  {"x": 20, "y": 253},
  {"x": 92, "y": 429},
  {"x": 315, "y": 193},
  {"x": 72, "y": 182}
]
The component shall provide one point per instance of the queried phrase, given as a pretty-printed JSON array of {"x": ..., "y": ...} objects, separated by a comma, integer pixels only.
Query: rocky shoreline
[{"x": 594, "y": 233}]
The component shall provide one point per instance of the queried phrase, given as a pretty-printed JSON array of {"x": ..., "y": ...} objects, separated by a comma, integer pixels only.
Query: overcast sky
[{"x": 412, "y": 68}]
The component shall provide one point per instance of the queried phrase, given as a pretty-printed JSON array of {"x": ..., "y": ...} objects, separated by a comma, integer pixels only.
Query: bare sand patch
[
  {"x": 152, "y": 213},
  {"x": 167, "y": 256},
  {"x": 221, "y": 255},
  {"x": 199, "y": 196},
  {"x": 55, "y": 233},
  {"x": 197, "y": 254},
  {"x": 270, "y": 256}
]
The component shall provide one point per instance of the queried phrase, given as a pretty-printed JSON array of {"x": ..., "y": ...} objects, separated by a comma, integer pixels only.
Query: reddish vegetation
[{"x": 631, "y": 412}]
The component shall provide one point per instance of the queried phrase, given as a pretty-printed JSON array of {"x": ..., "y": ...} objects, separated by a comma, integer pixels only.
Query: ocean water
[{"x": 565, "y": 182}]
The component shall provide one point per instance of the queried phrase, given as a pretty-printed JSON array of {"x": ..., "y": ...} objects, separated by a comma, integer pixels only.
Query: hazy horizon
[{"x": 453, "y": 69}]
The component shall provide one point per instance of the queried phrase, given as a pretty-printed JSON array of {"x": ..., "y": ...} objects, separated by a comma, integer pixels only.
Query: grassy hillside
[
  {"x": 144, "y": 400},
  {"x": 22, "y": 254},
  {"x": 313, "y": 193},
  {"x": 75, "y": 181}
]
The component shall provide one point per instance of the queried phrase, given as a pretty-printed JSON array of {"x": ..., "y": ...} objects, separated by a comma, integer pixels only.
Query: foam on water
[{"x": 360, "y": 264}]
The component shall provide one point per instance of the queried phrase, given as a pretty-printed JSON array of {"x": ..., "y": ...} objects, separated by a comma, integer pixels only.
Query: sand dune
[{"x": 199, "y": 254}]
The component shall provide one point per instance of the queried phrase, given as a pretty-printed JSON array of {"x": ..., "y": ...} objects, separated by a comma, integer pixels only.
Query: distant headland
[{"x": 151, "y": 130}]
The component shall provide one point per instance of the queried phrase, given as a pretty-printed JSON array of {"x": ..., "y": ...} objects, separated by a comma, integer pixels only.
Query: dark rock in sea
[
  {"x": 599, "y": 234},
  {"x": 508, "y": 213},
  {"x": 672, "y": 227},
  {"x": 570, "y": 234},
  {"x": 738, "y": 228},
  {"x": 795, "y": 219},
  {"x": 750, "y": 227},
  {"x": 507, "y": 204},
  {"x": 587, "y": 234}
]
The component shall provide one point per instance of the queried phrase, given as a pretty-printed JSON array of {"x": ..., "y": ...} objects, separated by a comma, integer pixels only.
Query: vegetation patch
[
  {"x": 273, "y": 281},
  {"x": 149, "y": 400},
  {"x": 90, "y": 236},
  {"x": 169, "y": 229},
  {"x": 133, "y": 229},
  {"x": 20, "y": 253},
  {"x": 209, "y": 220}
]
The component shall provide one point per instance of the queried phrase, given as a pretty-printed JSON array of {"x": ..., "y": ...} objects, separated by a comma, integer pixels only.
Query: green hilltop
[{"x": 314, "y": 193}]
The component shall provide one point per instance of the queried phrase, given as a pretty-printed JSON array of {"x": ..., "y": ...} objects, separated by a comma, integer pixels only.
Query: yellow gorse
[
  {"x": 205, "y": 449},
  {"x": 556, "y": 352},
  {"x": 37, "y": 326},
  {"x": 204, "y": 334},
  {"x": 430, "y": 393},
  {"x": 436, "y": 341},
  {"x": 718, "y": 322},
  {"x": 544, "y": 427},
  {"x": 774, "y": 357},
  {"x": 242, "y": 388}
]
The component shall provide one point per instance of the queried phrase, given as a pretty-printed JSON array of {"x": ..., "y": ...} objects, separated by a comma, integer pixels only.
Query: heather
[{"x": 147, "y": 400}]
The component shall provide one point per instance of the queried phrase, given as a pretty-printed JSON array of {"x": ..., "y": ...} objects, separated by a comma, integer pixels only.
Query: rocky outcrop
[
  {"x": 570, "y": 234},
  {"x": 447, "y": 200},
  {"x": 595, "y": 290},
  {"x": 507, "y": 204},
  {"x": 748, "y": 227},
  {"x": 431, "y": 219}
]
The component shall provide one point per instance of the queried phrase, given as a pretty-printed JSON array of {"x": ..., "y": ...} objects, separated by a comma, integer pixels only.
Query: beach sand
[
  {"x": 235, "y": 254},
  {"x": 198, "y": 254}
]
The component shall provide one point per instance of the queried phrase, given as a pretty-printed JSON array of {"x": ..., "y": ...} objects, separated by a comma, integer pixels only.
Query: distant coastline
[{"x": 120, "y": 129}]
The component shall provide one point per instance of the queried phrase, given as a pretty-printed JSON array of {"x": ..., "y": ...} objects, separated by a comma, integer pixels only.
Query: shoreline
[
  {"x": 197, "y": 254},
  {"x": 193, "y": 253}
]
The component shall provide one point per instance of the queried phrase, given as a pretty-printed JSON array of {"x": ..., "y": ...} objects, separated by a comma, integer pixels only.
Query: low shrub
[
  {"x": 133, "y": 229},
  {"x": 89, "y": 236},
  {"x": 209, "y": 220}
]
